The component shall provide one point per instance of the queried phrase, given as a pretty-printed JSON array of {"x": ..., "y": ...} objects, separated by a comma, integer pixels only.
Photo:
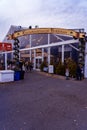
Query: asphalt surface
[{"x": 43, "y": 102}]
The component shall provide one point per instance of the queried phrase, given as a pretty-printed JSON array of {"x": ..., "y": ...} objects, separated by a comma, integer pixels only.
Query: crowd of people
[{"x": 20, "y": 65}]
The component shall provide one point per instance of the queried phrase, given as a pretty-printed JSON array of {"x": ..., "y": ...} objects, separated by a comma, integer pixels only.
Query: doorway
[{"x": 38, "y": 62}]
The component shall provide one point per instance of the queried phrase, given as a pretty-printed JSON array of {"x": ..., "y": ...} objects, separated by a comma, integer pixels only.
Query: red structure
[
  {"x": 1, "y": 46},
  {"x": 5, "y": 46}
]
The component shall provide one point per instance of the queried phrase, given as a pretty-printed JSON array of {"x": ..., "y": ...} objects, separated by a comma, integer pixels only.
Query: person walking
[{"x": 30, "y": 66}]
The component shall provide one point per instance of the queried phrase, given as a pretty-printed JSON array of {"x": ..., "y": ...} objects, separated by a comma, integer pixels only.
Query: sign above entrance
[{"x": 70, "y": 32}]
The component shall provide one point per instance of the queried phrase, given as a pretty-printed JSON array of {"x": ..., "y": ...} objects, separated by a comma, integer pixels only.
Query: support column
[
  {"x": 62, "y": 53},
  {"x": 85, "y": 67},
  {"x": 34, "y": 59},
  {"x": 5, "y": 61},
  {"x": 48, "y": 50},
  {"x": 81, "y": 51},
  {"x": 19, "y": 56},
  {"x": 30, "y": 50},
  {"x": 42, "y": 54},
  {"x": 12, "y": 52}
]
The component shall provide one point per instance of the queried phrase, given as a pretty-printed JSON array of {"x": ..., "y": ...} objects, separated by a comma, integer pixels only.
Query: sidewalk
[{"x": 60, "y": 76}]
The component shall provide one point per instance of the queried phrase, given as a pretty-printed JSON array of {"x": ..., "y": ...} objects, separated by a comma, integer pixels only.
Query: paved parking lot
[{"x": 43, "y": 102}]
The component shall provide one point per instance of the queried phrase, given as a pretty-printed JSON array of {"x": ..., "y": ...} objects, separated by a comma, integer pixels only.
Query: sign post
[
  {"x": 51, "y": 69},
  {"x": 5, "y": 47}
]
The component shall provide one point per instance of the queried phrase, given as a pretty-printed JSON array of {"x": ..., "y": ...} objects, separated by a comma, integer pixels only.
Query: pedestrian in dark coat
[{"x": 78, "y": 73}]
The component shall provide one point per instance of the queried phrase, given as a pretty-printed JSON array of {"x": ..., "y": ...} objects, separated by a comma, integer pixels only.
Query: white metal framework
[
  {"x": 42, "y": 46},
  {"x": 54, "y": 31}
]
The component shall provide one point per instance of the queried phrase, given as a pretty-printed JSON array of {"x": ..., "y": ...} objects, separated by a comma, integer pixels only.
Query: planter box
[{"x": 6, "y": 75}]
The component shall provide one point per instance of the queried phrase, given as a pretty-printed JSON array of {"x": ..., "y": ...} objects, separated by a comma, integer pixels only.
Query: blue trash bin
[{"x": 16, "y": 75}]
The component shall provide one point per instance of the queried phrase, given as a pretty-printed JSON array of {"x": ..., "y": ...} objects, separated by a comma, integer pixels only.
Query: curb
[{"x": 52, "y": 75}]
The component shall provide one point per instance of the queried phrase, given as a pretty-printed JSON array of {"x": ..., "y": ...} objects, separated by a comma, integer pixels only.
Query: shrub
[
  {"x": 43, "y": 64},
  {"x": 72, "y": 67},
  {"x": 60, "y": 69}
]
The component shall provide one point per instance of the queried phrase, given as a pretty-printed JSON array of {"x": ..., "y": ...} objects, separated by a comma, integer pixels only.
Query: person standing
[
  {"x": 22, "y": 72},
  {"x": 78, "y": 73},
  {"x": 67, "y": 73},
  {"x": 82, "y": 72},
  {"x": 30, "y": 66}
]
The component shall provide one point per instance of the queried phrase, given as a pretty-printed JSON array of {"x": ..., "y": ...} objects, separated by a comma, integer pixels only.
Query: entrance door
[{"x": 38, "y": 62}]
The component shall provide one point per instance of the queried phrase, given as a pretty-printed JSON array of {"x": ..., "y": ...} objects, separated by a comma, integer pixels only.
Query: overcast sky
[{"x": 44, "y": 13}]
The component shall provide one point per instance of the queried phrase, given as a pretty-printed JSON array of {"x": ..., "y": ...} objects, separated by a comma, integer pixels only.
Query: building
[{"x": 38, "y": 55}]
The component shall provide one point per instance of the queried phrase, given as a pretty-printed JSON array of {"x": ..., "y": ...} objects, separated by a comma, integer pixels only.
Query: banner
[
  {"x": 5, "y": 46},
  {"x": 1, "y": 46}
]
